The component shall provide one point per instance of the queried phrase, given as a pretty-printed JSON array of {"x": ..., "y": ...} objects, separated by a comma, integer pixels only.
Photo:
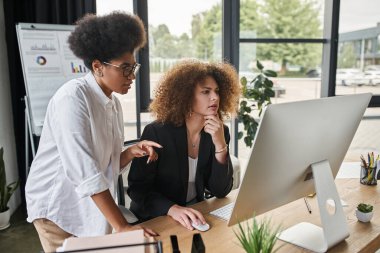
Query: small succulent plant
[{"x": 365, "y": 208}]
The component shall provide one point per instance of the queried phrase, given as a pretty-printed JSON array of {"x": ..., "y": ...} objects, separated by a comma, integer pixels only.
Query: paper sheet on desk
[
  {"x": 349, "y": 170},
  {"x": 117, "y": 239}
]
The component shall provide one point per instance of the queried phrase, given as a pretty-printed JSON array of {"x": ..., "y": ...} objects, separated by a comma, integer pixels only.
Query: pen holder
[{"x": 368, "y": 175}]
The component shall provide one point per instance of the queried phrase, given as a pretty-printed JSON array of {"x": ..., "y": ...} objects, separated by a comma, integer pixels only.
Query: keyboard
[{"x": 223, "y": 212}]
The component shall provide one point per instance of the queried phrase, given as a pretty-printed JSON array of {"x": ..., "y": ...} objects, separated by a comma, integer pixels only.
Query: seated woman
[{"x": 190, "y": 103}]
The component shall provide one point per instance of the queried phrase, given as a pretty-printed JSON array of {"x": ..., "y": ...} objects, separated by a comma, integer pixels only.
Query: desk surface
[{"x": 364, "y": 237}]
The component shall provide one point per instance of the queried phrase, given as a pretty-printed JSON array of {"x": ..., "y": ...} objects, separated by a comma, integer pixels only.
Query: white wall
[{"x": 7, "y": 137}]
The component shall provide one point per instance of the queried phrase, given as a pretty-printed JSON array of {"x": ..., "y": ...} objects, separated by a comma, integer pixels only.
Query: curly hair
[
  {"x": 106, "y": 37},
  {"x": 175, "y": 92}
]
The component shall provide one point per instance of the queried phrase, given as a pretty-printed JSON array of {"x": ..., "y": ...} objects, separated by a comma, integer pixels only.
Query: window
[
  {"x": 368, "y": 46},
  {"x": 358, "y": 32},
  {"x": 128, "y": 101},
  {"x": 194, "y": 30},
  {"x": 107, "y": 6},
  {"x": 359, "y": 67},
  {"x": 281, "y": 19},
  {"x": 285, "y": 36}
]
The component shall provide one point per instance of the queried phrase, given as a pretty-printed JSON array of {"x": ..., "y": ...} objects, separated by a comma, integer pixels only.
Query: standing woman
[
  {"x": 190, "y": 103},
  {"x": 72, "y": 182}
]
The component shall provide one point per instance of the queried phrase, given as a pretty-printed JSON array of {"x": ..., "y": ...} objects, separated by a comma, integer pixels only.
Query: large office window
[
  {"x": 282, "y": 19},
  {"x": 358, "y": 69},
  {"x": 194, "y": 30},
  {"x": 285, "y": 36},
  {"x": 298, "y": 67},
  {"x": 128, "y": 101},
  {"x": 265, "y": 27}
]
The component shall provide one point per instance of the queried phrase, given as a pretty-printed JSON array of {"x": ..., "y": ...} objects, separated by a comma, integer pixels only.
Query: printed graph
[
  {"x": 43, "y": 47},
  {"x": 41, "y": 60},
  {"x": 77, "y": 68}
]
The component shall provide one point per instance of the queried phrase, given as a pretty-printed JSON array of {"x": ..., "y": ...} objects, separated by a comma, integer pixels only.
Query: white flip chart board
[{"x": 47, "y": 63}]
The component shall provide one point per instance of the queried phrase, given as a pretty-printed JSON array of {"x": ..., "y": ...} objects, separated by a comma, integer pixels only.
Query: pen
[{"x": 307, "y": 205}]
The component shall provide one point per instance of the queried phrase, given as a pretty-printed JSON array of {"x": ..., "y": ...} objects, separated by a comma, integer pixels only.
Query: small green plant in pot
[
  {"x": 364, "y": 212},
  {"x": 260, "y": 90},
  {"x": 6, "y": 192},
  {"x": 257, "y": 237}
]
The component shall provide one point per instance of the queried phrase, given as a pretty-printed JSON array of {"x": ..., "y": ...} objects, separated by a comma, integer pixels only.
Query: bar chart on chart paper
[{"x": 77, "y": 68}]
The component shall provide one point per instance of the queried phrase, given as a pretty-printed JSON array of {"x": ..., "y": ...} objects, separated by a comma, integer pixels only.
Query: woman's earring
[{"x": 190, "y": 114}]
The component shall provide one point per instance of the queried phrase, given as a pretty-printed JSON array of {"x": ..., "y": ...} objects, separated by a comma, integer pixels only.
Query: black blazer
[{"x": 156, "y": 186}]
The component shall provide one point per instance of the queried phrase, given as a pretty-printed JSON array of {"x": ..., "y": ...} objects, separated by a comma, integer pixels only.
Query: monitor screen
[{"x": 290, "y": 138}]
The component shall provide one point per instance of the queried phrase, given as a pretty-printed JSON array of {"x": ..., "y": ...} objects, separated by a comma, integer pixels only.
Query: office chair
[{"x": 121, "y": 190}]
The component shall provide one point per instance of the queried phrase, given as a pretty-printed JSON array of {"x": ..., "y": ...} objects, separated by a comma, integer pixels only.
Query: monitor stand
[{"x": 334, "y": 227}]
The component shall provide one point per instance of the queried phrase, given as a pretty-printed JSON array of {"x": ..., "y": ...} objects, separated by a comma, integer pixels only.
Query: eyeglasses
[{"x": 126, "y": 68}]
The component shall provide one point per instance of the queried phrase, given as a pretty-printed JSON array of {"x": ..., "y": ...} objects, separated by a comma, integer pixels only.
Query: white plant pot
[
  {"x": 4, "y": 219},
  {"x": 364, "y": 217}
]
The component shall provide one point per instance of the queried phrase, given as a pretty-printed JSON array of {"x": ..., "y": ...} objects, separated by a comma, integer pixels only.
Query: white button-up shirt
[{"x": 78, "y": 156}]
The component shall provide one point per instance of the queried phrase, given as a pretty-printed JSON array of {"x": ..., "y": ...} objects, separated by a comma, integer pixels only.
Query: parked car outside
[
  {"x": 372, "y": 67},
  {"x": 314, "y": 72},
  {"x": 373, "y": 77},
  {"x": 347, "y": 77}
]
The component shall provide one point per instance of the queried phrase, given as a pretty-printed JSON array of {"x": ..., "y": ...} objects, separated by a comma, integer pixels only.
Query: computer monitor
[{"x": 298, "y": 150}]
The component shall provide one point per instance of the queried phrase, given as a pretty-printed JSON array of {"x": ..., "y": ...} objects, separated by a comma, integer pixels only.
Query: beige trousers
[{"x": 51, "y": 236}]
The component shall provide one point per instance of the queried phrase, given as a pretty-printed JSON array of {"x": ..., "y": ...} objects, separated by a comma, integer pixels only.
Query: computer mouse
[{"x": 201, "y": 227}]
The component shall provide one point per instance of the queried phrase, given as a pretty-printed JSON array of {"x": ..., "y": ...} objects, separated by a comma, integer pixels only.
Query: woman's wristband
[{"x": 221, "y": 150}]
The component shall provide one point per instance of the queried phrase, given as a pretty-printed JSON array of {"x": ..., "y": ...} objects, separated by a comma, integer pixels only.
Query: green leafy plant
[
  {"x": 6, "y": 191},
  {"x": 260, "y": 90},
  {"x": 365, "y": 208},
  {"x": 257, "y": 237}
]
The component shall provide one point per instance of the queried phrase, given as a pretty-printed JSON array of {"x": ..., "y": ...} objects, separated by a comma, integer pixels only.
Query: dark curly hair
[
  {"x": 175, "y": 92},
  {"x": 107, "y": 37}
]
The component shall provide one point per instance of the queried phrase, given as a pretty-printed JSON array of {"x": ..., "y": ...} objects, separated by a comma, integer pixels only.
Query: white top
[
  {"x": 78, "y": 156},
  {"x": 191, "y": 190}
]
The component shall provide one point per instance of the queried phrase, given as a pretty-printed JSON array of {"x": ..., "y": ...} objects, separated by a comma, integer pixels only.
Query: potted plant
[
  {"x": 260, "y": 89},
  {"x": 257, "y": 237},
  {"x": 6, "y": 192},
  {"x": 364, "y": 212}
]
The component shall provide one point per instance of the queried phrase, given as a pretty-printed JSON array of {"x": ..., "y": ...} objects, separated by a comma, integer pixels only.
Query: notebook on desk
[{"x": 96, "y": 243}]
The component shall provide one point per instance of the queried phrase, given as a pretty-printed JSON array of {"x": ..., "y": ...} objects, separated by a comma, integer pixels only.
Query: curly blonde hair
[{"x": 175, "y": 92}]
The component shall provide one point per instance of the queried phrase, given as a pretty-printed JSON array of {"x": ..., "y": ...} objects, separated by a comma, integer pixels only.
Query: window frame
[{"x": 230, "y": 51}]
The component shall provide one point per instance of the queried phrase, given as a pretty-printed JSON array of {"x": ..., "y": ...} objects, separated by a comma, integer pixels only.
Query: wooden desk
[{"x": 364, "y": 237}]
